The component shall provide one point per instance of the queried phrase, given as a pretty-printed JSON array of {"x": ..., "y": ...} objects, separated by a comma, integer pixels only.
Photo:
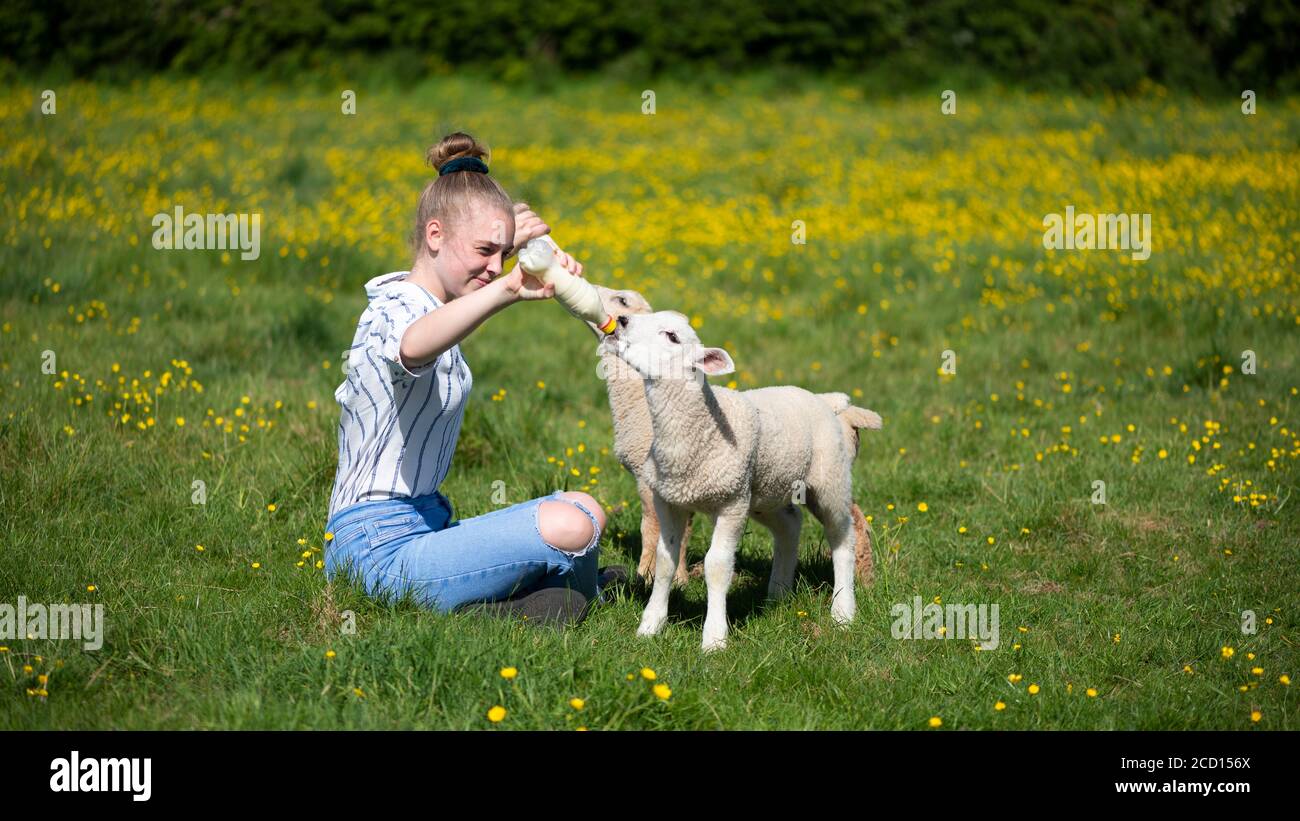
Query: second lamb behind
[{"x": 733, "y": 455}]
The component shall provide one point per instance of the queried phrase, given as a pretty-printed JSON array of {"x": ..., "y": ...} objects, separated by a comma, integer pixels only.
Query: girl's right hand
[{"x": 522, "y": 285}]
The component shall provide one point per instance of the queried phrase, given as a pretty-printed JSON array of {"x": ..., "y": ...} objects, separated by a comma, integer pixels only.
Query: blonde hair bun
[{"x": 454, "y": 146}]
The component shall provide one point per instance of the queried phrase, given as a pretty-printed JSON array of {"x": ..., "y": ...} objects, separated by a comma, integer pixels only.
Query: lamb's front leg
[
  {"x": 719, "y": 567},
  {"x": 672, "y": 521}
]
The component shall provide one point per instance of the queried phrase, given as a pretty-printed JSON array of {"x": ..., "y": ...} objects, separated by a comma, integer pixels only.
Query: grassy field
[{"x": 924, "y": 234}]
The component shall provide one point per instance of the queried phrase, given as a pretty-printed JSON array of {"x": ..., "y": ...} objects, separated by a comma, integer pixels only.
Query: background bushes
[{"x": 1186, "y": 44}]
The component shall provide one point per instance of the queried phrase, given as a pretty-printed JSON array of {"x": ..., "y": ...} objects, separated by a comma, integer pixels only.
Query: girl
[{"x": 402, "y": 405}]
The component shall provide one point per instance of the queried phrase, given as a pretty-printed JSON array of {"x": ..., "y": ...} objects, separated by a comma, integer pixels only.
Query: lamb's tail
[{"x": 851, "y": 417}]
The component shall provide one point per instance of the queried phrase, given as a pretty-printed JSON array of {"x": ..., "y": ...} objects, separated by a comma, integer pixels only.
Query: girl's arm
[{"x": 441, "y": 329}]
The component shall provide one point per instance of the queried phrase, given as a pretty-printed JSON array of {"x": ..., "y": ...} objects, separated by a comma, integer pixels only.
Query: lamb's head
[
  {"x": 663, "y": 345},
  {"x": 619, "y": 303}
]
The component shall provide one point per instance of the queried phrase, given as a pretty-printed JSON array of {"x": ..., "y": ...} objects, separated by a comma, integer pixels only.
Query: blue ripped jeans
[{"x": 392, "y": 546}]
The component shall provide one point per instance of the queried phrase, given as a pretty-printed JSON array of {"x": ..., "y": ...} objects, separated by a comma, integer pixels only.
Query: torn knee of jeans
[
  {"x": 595, "y": 529},
  {"x": 584, "y": 509}
]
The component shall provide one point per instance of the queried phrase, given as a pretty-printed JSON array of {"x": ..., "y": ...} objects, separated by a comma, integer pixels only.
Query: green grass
[{"x": 202, "y": 639}]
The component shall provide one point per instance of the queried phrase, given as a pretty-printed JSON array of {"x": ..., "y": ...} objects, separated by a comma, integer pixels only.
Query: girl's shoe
[
  {"x": 557, "y": 606},
  {"x": 610, "y": 578}
]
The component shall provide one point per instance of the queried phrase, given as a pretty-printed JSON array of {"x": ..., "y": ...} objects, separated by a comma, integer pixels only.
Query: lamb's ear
[{"x": 714, "y": 361}]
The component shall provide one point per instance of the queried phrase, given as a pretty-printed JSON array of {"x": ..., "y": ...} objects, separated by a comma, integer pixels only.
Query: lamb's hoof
[
  {"x": 651, "y": 624},
  {"x": 681, "y": 580},
  {"x": 715, "y": 636},
  {"x": 715, "y": 644},
  {"x": 842, "y": 614}
]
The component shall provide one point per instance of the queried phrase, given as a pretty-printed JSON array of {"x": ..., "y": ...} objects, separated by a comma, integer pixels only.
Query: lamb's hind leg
[
  {"x": 834, "y": 511},
  {"x": 719, "y": 567},
  {"x": 785, "y": 524},
  {"x": 682, "y": 577},
  {"x": 649, "y": 532},
  {"x": 650, "y": 540},
  {"x": 862, "y": 547},
  {"x": 672, "y": 521}
]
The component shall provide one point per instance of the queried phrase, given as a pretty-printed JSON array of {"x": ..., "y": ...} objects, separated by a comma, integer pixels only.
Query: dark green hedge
[{"x": 1182, "y": 43}]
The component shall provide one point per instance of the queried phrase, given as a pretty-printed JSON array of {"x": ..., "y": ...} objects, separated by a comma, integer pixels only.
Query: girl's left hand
[
  {"x": 527, "y": 226},
  {"x": 530, "y": 226},
  {"x": 570, "y": 264}
]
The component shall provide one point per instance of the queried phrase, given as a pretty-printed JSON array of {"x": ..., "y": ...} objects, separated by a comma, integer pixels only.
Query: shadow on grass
[{"x": 747, "y": 598}]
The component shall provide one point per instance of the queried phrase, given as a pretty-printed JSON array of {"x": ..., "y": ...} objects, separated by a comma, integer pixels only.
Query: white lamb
[
  {"x": 736, "y": 454},
  {"x": 633, "y": 434}
]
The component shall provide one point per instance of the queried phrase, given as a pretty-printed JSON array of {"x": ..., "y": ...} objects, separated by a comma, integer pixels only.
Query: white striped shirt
[{"x": 397, "y": 427}]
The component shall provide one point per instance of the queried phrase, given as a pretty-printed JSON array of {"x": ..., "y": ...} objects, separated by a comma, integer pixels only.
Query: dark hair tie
[{"x": 463, "y": 164}]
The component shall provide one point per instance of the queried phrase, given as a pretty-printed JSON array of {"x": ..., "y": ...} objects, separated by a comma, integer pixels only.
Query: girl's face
[{"x": 472, "y": 253}]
